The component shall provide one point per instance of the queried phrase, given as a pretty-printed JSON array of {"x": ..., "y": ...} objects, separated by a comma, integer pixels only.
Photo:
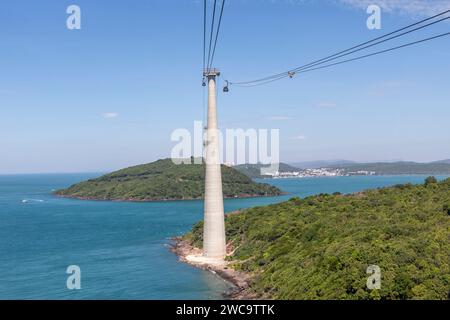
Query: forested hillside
[{"x": 320, "y": 247}]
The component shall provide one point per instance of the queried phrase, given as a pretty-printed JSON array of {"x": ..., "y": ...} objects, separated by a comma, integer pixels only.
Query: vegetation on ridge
[{"x": 320, "y": 247}]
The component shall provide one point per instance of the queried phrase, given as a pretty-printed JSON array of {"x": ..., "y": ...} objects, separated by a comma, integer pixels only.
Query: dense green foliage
[
  {"x": 254, "y": 170},
  {"x": 320, "y": 247},
  {"x": 381, "y": 168},
  {"x": 163, "y": 180}
]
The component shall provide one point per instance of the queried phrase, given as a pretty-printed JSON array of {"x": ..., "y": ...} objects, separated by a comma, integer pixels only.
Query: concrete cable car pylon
[{"x": 214, "y": 242}]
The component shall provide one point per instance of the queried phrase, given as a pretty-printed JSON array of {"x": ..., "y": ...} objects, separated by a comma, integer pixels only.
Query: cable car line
[
  {"x": 217, "y": 34},
  {"x": 292, "y": 72},
  {"x": 354, "y": 59},
  {"x": 211, "y": 32},
  {"x": 204, "y": 40},
  {"x": 357, "y": 50}
]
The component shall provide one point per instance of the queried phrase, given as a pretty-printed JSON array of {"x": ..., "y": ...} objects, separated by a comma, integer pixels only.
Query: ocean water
[{"x": 122, "y": 248}]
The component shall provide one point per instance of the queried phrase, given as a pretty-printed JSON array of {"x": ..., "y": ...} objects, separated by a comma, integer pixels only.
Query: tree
[
  {"x": 447, "y": 208},
  {"x": 430, "y": 180}
]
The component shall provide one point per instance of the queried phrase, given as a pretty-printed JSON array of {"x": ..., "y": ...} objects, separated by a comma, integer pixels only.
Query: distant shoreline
[
  {"x": 349, "y": 169},
  {"x": 356, "y": 175}
]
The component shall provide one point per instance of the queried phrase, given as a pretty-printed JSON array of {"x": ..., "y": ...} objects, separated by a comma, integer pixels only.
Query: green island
[
  {"x": 163, "y": 180},
  {"x": 320, "y": 247}
]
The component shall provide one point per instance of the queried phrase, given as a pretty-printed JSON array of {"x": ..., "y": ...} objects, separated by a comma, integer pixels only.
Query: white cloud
[
  {"x": 412, "y": 7},
  {"x": 326, "y": 104},
  {"x": 110, "y": 115},
  {"x": 301, "y": 138},
  {"x": 279, "y": 118},
  {"x": 385, "y": 88}
]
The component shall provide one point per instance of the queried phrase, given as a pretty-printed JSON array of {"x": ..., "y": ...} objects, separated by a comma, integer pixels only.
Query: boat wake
[{"x": 32, "y": 200}]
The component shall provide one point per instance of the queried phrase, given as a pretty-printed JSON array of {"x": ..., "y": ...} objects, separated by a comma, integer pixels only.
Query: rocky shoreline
[
  {"x": 241, "y": 196},
  {"x": 240, "y": 281}
]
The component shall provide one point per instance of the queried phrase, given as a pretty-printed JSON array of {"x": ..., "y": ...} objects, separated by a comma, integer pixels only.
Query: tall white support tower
[{"x": 214, "y": 242}]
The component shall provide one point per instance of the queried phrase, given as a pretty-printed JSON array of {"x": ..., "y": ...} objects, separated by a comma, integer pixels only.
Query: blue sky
[{"x": 109, "y": 95}]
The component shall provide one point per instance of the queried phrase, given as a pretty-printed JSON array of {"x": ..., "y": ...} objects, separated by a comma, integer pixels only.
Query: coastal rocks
[{"x": 193, "y": 256}]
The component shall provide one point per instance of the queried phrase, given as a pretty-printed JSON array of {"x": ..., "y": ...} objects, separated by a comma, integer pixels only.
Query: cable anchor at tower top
[{"x": 211, "y": 72}]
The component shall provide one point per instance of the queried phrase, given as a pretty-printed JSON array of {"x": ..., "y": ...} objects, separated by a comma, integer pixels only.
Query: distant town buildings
[{"x": 321, "y": 172}]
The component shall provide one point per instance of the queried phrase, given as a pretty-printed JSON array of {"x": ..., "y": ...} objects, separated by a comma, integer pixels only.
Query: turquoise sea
[{"x": 121, "y": 248}]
